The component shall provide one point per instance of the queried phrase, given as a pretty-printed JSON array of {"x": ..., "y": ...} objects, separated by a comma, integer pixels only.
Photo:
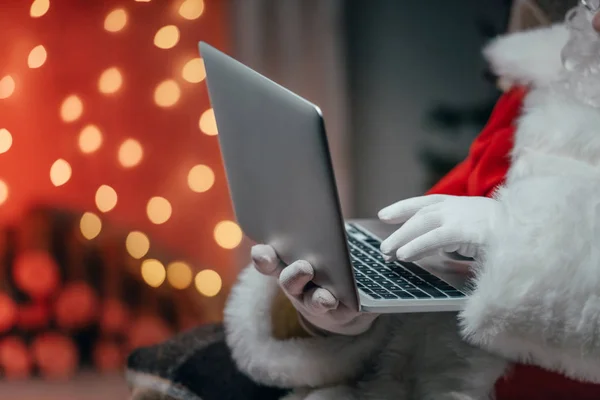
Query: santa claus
[{"x": 525, "y": 205}]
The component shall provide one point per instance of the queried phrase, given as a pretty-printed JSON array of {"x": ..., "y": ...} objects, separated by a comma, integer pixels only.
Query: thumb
[{"x": 265, "y": 260}]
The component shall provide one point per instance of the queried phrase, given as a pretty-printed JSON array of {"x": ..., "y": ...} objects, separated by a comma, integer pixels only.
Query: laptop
[{"x": 280, "y": 176}]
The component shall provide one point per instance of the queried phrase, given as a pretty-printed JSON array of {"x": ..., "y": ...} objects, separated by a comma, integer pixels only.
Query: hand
[
  {"x": 439, "y": 222},
  {"x": 318, "y": 306}
]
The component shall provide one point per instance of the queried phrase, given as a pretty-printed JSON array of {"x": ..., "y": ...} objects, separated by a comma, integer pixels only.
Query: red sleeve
[{"x": 488, "y": 161}]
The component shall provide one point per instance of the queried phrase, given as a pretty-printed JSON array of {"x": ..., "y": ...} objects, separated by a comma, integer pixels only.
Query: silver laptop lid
[{"x": 279, "y": 170}]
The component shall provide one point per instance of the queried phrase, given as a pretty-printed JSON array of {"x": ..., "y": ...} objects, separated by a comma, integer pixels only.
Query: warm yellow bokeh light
[
  {"x": 166, "y": 37},
  {"x": 191, "y": 9},
  {"x": 71, "y": 108},
  {"x": 39, "y": 8},
  {"x": 179, "y": 275},
  {"x": 37, "y": 57},
  {"x": 115, "y": 20},
  {"x": 137, "y": 244},
  {"x": 228, "y": 234},
  {"x": 110, "y": 81},
  {"x": 167, "y": 93},
  {"x": 5, "y": 140},
  {"x": 106, "y": 198},
  {"x": 153, "y": 272},
  {"x": 90, "y": 225},
  {"x": 193, "y": 71},
  {"x": 3, "y": 192},
  {"x": 201, "y": 178},
  {"x": 7, "y": 87},
  {"x": 90, "y": 139},
  {"x": 130, "y": 153},
  {"x": 208, "y": 123},
  {"x": 159, "y": 210},
  {"x": 208, "y": 283},
  {"x": 60, "y": 172}
]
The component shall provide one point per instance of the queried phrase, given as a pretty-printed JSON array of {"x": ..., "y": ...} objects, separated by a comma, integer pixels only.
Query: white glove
[
  {"x": 439, "y": 222},
  {"x": 316, "y": 305}
]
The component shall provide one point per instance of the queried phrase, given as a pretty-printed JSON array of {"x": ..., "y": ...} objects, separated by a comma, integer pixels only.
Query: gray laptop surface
[{"x": 282, "y": 185}]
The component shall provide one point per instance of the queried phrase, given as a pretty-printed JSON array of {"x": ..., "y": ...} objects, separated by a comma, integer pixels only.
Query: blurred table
[{"x": 86, "y": 386}]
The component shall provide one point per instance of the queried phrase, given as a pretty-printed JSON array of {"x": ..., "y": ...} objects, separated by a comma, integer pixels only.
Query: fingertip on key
[
  {"x": 384, "y": 215},
  {"x": 385, "y": 248}
]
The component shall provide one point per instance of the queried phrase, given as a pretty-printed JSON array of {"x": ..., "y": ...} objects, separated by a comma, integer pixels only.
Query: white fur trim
[
  {"x": 537, "y": 298},
  {"x": 529, "y": 57},
  {"x": 289, "y": 363}
]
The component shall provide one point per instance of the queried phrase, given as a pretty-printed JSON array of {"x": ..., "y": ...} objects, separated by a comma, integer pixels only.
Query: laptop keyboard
[{"x": 392, "y": 280}]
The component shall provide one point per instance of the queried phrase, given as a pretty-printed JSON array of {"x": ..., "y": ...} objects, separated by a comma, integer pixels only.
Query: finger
[
  {"x": 295, "y": 277},
  {"x": 265, "y": 260},
  {"x": 403, "y": 210},
  {"x": 427, "y": 244},
  {"x": 419, "y": 225},
  {"x": 319, "y": 300}
]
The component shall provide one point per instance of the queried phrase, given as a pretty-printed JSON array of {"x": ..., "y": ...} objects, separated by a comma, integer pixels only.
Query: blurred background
[{"x": 116, "y": 229}]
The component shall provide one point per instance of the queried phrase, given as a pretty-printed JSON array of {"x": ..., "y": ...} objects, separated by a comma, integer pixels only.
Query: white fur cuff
[
  {"x": 538, "y": 290},
  {"x": 289, "y": 363}
]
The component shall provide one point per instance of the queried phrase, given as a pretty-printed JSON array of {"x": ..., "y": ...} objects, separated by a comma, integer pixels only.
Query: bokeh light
[
  {"x": 6, "y": 140},
  {"x": 167, "y": 93},
  {"x": 110, "y": 81},
  {"x": 71, "y": 108},
  {"x": 60, "y": 172},
  {"x": 191, "y": 9},
  {"x": 228, "y": 234},
  {"x": 166, "y": 37},
  {"x": 137, "y": 244},
  {"x": 39, "y": 8},
  {"x": 208, "y": 123},
  {"x": 130, "y": 153},
  {"x": 106, "y": 198},
  {"x": 194, "y": 71},
  {"x": 179, "y": 275},
  {"x": 115, "y": 20},
  {"x": 7, "y": 87},
  {"x": 3, "y": 192},
  {"x": 37, "y": 57},
  {"x": 153, "y": 272},
  {"x": 208, "y": 283},
  {"x": 90, "y": 139},
  {"x": 201, "y": 178},
  {"x": 90, "y": 225},
  {"x": 158, "y": 210}
]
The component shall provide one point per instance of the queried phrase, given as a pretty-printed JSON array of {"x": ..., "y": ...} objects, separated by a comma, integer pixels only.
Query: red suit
[{"x": 537, "y": 297}]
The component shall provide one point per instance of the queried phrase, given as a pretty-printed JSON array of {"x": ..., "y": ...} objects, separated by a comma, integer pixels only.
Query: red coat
[{"x": 480, "y": 174}]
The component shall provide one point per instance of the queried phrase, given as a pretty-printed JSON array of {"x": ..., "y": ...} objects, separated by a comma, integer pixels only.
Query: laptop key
[
  {"x": 415, "y": 280},
  {"x": 433, "y": 292},
  {"x": 374, "y": 295},
  {"x": 389, "y": 296},
  {"x": 444, "y": 287},
  {"x": 380, "y": 290},
  {"x": 372, "y": 285},
  {"x": 418, "y": 294},
  {"x": 402, "y": 272},
  {"x": 391, "y": 275},
  {"x": 379, "y": 279},
  {"x": 404, "y": 285},
  {"x": 455, "y": 293},
  {"x": 415, "y": 269},
  {"x": 403, "y": 294}
]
